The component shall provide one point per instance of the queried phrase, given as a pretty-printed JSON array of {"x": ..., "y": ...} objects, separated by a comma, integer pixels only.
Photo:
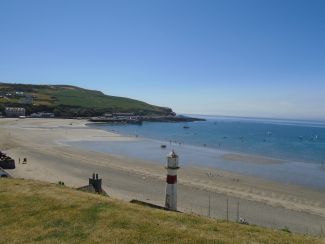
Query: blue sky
[{"x": 246, "y": 58}]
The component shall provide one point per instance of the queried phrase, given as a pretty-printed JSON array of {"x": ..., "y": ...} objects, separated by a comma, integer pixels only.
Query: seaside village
[
  {"x": 28, "y": 99},
  {"x": 20, "y": 112}
]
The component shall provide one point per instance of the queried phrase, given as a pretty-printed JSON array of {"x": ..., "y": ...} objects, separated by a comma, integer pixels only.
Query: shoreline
[
  {"x": 263, "y": 202},
  {"x": 206, "y": 144},
  {"x": 228, "y": 154},
  {"x": 251, "y": 165}
]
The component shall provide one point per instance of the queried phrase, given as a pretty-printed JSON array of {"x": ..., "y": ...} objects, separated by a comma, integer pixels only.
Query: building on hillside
[
  {"x": 123, "y": 114},
  {"x": 108, "y": 115},
  {"x": 15, "y": 112},
  {"x": 20, "y": 94}
]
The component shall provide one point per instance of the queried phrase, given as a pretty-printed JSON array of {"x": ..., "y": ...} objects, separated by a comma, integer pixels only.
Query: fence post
[
  {"x": 227, "y": 209},
  {"x": 238, "y": 211},
  {"x": 209, "y": 211}
]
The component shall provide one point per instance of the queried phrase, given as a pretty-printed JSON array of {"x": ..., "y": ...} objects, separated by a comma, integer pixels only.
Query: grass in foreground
[{"x": 32, "y": 211}]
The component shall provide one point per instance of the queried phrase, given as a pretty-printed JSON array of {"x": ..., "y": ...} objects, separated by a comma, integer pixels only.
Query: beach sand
[{"x": 261, "y": 202}]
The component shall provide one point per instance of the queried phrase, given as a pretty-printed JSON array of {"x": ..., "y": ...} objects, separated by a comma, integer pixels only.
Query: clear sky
[{"x": 263, "y": 58}]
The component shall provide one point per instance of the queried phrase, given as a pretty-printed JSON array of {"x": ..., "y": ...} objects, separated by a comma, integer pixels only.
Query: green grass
[
  {"x": 74, "y": 101},
  {"x": 89, "y": 99},
  {"x": 32, "y": 211},
  {"x": 10, "y": 100}
]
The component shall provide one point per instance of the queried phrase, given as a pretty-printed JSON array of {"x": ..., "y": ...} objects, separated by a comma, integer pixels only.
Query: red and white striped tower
[{"x": 171, "y": 186}]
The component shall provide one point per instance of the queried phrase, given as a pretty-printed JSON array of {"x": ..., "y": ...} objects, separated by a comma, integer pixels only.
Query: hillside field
[{"x": 71, "y": 101}]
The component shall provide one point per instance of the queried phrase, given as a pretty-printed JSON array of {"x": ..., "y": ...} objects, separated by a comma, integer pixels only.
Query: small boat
[
  {"x": 186, "y": 127},
  {"x": 163, "y": 146}
]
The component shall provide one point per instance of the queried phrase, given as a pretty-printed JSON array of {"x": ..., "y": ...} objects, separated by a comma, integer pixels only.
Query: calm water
[
  {"x": 293, "y": 140},
  {"x": 300, "y": 145}
]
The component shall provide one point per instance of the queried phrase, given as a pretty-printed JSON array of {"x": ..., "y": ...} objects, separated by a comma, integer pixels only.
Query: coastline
[
  {"x": 262, "y": 202},
  {"x": 268, "y": 168}
]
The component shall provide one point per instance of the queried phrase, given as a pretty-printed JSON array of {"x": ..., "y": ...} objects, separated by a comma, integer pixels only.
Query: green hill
[
  {"x": 32, "y": 211},
  {"x": 71, "y": 101}
]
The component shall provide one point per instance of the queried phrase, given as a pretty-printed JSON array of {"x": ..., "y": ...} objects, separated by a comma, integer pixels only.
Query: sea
[{"x": 288, "y": 151}]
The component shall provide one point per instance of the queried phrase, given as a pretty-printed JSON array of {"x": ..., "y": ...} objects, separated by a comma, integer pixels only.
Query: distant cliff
[{"x": 71, "y": 101}]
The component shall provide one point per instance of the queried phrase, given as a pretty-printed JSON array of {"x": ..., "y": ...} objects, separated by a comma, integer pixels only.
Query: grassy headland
[
  {"x": 32, "y": 211},
  {"x": 71, "y": 101}
]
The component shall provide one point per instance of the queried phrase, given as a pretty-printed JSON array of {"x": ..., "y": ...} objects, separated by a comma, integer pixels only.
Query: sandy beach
[{"x": 261, "y": 202}]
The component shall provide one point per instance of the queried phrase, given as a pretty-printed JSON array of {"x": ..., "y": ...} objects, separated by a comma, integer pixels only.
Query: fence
[
  {"x": 248, "y": 212},
  {"x": 220, "y": 206}
]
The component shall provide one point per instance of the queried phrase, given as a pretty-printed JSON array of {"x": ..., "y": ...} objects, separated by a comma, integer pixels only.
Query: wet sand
[
  {"x": 251, "y": 159},
  {"x": 261, "y": 202}
]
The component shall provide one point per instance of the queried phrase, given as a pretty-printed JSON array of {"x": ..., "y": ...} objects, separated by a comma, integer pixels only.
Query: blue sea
[{"x": 297, "y": 146}]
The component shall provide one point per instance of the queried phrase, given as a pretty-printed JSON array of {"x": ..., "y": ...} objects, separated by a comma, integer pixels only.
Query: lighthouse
[{"x": 171, "y": 181}]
